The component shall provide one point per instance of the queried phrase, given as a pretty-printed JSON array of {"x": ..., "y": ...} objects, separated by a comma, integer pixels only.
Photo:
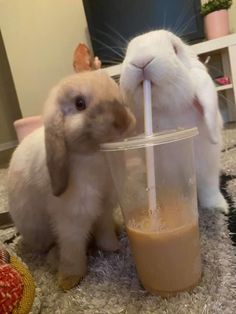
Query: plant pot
[
  {"x": 216, "y": 24},
  {"x": 27, "y": 125}
]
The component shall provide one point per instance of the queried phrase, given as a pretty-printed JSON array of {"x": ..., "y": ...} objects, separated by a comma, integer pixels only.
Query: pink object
[
  {"x": 216, "y": 24},
  {"x": 27, "y": 125},
  {"x": 222, "y": 80}
]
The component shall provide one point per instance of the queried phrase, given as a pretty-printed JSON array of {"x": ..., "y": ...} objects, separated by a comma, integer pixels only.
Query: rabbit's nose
[{"x": 141, "y": 62}]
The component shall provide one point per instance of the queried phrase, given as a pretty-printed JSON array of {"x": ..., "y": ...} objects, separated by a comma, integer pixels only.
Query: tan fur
[
  {"x": 59, "y": 183},
  {"x": 57, "y": 155}
]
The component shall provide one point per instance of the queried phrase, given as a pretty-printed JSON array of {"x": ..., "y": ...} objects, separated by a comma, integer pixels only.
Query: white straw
[
  {"x": 147, "y": 94},
  {"x": 150, "y": 164}
]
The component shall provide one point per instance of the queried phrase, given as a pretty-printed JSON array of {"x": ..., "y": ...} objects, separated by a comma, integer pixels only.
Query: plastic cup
[{"x": 165, "y": 243}]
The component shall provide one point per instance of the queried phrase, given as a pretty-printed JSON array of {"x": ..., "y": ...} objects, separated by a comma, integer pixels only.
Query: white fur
[{"x": 179, "y": 80}]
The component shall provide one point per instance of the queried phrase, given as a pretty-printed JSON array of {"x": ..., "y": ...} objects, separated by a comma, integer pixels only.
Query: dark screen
[{"x": 112, "y": 23}]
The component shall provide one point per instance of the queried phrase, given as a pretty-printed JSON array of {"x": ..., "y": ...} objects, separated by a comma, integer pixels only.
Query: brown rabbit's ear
[
  {"x": 83, "y": 60},
  {"x": 56, "y": 153}
]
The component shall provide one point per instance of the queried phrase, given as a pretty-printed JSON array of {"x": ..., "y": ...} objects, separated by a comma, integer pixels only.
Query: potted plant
[{"x": 216, "y": 21}]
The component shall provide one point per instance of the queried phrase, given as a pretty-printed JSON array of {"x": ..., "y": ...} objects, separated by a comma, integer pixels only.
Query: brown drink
[
  {"x": 165, "y": 241},
  {"x": 167, "y": 260}
]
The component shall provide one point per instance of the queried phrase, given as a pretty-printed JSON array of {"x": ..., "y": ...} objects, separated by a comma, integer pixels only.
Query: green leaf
[{"x": 215, "y": 5}]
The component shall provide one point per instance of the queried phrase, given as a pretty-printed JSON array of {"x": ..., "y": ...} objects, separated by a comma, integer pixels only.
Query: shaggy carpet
[{"x": 111, "y": 285}]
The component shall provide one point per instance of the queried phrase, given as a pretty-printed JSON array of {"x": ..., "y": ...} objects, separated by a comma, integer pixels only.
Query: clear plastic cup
[{"x": 165, "y": 241}]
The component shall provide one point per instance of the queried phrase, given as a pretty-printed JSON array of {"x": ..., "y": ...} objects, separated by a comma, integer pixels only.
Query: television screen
[{"x": 112, "y": 23}]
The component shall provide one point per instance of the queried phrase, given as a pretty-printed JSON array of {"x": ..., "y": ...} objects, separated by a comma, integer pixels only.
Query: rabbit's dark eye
[
  {"x": 175, "y": 49},
  {"x": 80, "y": 103}
]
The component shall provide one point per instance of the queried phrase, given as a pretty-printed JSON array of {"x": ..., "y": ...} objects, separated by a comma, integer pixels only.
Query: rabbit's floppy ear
[
  {"x": 206, "y": 101},
  {"x": 56, "y": 151}
]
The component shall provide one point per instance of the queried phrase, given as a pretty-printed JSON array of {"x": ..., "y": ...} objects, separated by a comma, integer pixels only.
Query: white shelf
[
  {"x": 214, "y": 44},
  {"x": 114, "y": 69},
  {"x": 224, "y": 87}
]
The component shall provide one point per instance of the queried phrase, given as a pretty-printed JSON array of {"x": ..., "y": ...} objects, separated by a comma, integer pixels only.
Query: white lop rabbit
[
  {"x": 60, "y": 188},
  {"x": 183, "y": 95}
]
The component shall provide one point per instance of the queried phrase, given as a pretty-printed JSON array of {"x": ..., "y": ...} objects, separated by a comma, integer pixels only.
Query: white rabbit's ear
[
  {"x": 56, "y": 152},
  {"x": 206, "y": 102}
]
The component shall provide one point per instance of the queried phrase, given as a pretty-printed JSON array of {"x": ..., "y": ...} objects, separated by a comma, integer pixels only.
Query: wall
[
  {"x": 9, "y": 106},
  {"x": 232, "y": 17},
  {"x": 40, "y": 37}
]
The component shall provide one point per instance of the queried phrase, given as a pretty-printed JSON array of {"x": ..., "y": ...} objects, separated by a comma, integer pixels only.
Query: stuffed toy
[{"x": 17, "y": 287}]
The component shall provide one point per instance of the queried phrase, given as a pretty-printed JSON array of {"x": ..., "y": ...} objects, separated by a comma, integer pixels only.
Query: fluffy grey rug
[
  {"x": 3, "y": 194},
  {"x": 111, "y": 285}
]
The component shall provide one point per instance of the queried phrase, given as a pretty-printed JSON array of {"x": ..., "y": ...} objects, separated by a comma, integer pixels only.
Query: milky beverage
[{"x": 167, "y": 259}]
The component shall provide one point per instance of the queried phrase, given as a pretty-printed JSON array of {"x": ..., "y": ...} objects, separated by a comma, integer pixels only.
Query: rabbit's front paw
[
  {"x": 67, "y": 282},
  {"x": 108, "y": 242},
  {"x": 215, "y": 201}
]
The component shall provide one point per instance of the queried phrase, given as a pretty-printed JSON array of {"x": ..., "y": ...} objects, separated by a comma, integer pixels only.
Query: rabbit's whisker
[
  {"x": 110, "y": 48},
  {"x": 164, "y": 20},
  {"x": 121, "y": 47},
  {"x": 117, "y": 33},
  {"x": 181, "y": 18},
  {"x": 181, "y": 31}
]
